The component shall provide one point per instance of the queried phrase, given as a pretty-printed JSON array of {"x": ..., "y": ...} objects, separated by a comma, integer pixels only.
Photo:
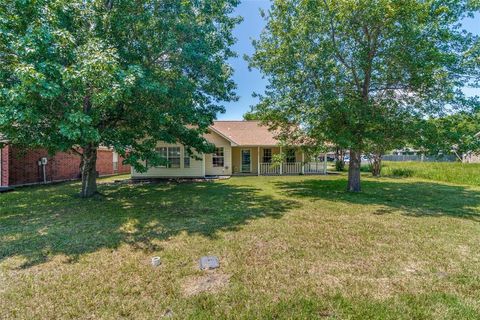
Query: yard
[{"x": 290, "y": 248}]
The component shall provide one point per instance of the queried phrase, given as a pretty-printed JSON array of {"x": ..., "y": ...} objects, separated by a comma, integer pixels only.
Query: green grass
[
  {"x": 290, "y": 248},
  {"x": 460, "y": 173}
]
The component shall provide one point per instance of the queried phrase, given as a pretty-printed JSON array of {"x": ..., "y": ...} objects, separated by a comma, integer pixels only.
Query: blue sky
[{"x": 251, "y": 81}]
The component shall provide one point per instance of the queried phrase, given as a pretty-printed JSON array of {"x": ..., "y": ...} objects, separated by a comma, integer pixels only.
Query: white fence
[
  {"x": 292, "y": 168},
  {"x": 394, "y": 157}
]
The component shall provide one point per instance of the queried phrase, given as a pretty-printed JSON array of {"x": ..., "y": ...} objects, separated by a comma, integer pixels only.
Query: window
[
  {"x": 290, "y": 158},
  {"x": 267, "y": 155},
  {"x": 170, "y": 154},
  {"x": 186, "y": 159},
  {"x": 218, "y": 158},
  {"x": 174, "y": 157},
  {"x": 163, "y": 153}
]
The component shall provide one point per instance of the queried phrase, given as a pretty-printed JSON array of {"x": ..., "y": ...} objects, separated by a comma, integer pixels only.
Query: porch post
[
  {"x": 258, "y": 161},
  {"x": 203, "y": 164},
  {"x": 325, "y": 163},
  {"x": 303, "y": 162},
  {"x": 281, "y": 163}
]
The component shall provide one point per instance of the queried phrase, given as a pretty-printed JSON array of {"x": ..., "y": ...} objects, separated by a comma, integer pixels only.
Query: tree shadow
[
  {"x": 37, "y": 224},
  {"x": 418, "y": 199}
]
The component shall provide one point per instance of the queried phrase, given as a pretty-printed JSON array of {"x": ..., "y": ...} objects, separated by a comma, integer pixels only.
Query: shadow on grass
[
  {"x": 419, "y": 199},
  {"x": 40, "y": 223}
]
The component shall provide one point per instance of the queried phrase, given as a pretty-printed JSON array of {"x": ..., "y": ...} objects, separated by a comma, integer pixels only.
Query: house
[
  {"x": 242, "y": 148},
  {"x": 20, "y": 167}
]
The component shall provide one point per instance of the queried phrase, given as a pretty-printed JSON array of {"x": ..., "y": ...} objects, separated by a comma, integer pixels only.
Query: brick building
[{"x": 20, "y": 167}]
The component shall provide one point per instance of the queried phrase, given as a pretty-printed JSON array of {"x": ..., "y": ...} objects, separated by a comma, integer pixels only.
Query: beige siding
[
  {"x": 195, "y": 170},
  {"x": 227, "y": 152}
]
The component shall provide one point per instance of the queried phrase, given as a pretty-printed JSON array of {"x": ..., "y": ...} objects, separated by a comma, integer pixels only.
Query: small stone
[
  {"x": 156, "y": 261},
  {"x": 209, "y": 262}
]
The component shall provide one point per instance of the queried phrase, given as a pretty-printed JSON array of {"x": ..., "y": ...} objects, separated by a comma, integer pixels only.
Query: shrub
[
  {"x": 339, "y": 165},
  {"x": 402, "y": 172}
]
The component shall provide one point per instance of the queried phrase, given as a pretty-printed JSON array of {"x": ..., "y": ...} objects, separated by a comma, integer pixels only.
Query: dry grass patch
[{"x": 210, "y": 282}]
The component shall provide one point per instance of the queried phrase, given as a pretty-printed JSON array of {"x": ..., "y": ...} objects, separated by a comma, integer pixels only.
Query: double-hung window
[
  {"x": 163, "y": 154},
  {"x": 218, "y": 158},
  {"x": 290, "y": 157},
  {"x": 174, "y": 157},
  {"x": 186, "y": 159},
  {"x": 170, "y": 155},
  {"x": 267, "y": 155}
]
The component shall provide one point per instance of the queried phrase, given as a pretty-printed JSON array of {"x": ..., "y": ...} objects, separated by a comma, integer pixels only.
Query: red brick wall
[
  {"x": 24, "y": 168},
  {"x": 4, "y": 165},
  {"x": 104, "y": 162},
  {"x": 123, "y": 168}
]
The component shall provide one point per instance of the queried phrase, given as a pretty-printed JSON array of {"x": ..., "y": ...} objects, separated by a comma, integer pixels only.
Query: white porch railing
[
  {"x": 291, "y": 168},
  {"x": 269, "y": 169}
]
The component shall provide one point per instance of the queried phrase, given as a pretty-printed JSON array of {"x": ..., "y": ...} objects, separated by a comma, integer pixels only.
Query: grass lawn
[
  {"x": 289, "y": 247},
  {"x": 457, "y": 172}
]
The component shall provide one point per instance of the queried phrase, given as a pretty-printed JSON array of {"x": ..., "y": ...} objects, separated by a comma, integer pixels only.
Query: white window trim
[
  {"x": 168, "y": 165},
  {"x": 214, "y": 156}
]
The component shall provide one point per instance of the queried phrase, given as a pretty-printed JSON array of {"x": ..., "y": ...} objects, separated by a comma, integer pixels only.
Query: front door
[{"x": 246, "y": 161}]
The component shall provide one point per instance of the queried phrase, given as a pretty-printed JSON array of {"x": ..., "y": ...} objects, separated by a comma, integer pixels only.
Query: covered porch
[{"x": 259, "y": 160}]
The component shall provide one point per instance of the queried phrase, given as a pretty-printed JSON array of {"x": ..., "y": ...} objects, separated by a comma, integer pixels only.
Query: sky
[{"x": 249, "y": 82}]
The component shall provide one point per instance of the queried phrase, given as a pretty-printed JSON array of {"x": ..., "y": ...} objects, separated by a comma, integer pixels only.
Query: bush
[
  {"x": 339, "y": 165},
  {"x": 402, "y": 172},
  {"x": 366, "y": 168}
]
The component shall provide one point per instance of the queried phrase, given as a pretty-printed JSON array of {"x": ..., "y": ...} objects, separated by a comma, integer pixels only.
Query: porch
[{"x": 256, "y": 160}]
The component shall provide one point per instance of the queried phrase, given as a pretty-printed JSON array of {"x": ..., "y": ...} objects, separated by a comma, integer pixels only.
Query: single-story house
[
  {"x": 25, "y": 167},
  {"x": 242, "y": 148}
]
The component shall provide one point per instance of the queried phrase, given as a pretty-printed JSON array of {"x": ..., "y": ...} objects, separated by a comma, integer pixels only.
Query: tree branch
[{"x": 337, "y": 51}]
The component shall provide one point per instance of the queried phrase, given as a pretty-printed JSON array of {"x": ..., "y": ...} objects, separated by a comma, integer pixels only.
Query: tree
[
  {"x": 393, "y": 131},
  {"x": 451, "y": 134},
  {"x": 251, "y": 115},
  {"x": 75, "y": 75},
  {"x": 340, "y": 70}
]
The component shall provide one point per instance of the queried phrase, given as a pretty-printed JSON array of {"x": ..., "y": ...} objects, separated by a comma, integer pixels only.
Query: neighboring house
[
  {"x": 20, "y": 167},
  {"x": 472, "y": 157},
  {"x": 242, "y": 148}
]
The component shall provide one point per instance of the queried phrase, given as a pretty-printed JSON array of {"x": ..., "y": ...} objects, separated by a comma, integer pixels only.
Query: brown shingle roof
[{"x": 245, "y": 133}]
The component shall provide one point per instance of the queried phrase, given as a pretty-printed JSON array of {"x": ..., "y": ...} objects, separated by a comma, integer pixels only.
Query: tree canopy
[
  {"x": 125, "y": 74},
  {"x": 351, "y": 72},
  {"x": 452, "y": 134}
]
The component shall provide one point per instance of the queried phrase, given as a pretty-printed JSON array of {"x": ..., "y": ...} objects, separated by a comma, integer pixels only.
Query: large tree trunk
[
  {"x": 89, "y": 171},
  {"x": 354, "y": 171},
  {"x": 376, "y": 164}
]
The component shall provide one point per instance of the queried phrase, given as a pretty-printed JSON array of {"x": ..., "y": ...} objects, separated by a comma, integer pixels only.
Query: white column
[
  {"x": 325, "y": 163},
  {"x": 303, "y": 162},
  {"x": 258, "y": 161},
  {"x": 203, "y": 164},
  {"x": 281, "y": 163}
]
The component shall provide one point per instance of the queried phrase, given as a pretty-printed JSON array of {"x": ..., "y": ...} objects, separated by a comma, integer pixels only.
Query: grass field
[
  {"x": 461, "y": 173},
  {"x": 289, "y": 247}
]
